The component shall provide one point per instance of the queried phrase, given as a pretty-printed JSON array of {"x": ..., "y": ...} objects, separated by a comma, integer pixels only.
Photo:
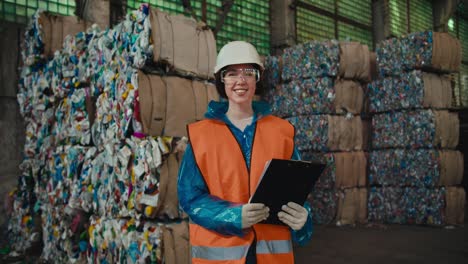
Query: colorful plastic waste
[
  {"x": 415, "y": 129},
  {"x": 396, "y": 205},
  {"x": 311, "y": 59},
  {"x": 420, "y": 50},
  {"x": 90, "y": 183},
  {"x": 323, "y": 133},
  {"x": 411, "y": 90}
]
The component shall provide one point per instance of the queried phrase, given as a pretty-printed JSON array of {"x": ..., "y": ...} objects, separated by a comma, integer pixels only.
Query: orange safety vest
[{"x": 222, "y": 165}]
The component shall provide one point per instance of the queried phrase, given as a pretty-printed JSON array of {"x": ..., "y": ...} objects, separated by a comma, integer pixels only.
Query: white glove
[
  {"x": 294, "y": 215},
  {"x": 253, "y": 213}
]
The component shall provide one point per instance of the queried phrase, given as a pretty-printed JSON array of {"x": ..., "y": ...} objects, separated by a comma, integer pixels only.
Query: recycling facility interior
[{"x": 281, "y": 31}]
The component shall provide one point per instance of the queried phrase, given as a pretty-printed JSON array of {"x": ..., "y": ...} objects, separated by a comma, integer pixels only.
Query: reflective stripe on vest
[
  {"x": 274, "y": 246},
  {"x": 239, "y": 252},
  {"x": 220, "y": 253}
]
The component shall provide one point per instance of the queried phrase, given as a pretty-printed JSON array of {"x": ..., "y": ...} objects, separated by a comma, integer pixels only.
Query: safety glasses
[{"x": 232, "y": 75}]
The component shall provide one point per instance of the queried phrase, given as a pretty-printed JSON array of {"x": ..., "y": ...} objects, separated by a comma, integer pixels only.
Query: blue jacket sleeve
[
  {"x": 303, "y": 236},
  {"x": 204, "y": 209}
]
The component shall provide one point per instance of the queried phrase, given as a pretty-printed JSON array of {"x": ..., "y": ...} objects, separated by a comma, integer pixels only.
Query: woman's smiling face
[{"x": 240, "y": 82}]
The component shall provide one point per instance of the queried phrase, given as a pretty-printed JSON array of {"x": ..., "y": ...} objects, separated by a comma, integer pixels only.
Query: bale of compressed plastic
[
  {"x": 349, "y": 60},
  {"x": 328, "y": 132},
  {"x": 73, "y": 119},
  {"x": 47, "y": 32},
  {"x": 411, "y": 90},
  {"x": 176, "y": 243},
  {"x": 415, "y": 167},
  {"x": 355, "y": 61},
  {"x": 272, "y": 73},
  {"x": 185, "y": 44},
  {"x": 311, "y": 59},
  {"x": 324, "y": 205},
  {"x": 126, "y": 240},
  {"x": 396, "y": 205},
  {"x": 415, "y": 129},
  {"x": 455, "y": 201},
  {"x": 322, "y": 95},
  {"x": 343, "y": 170},
  {"x": 169, "y": 103},
  {"x": 339, "y": 206},
  {"x": 428, "y": 50},
  {"x": 352, "y": 207}
]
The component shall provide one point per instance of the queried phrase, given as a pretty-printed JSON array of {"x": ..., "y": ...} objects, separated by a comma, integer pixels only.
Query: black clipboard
[{"x": 283, "y": 181}]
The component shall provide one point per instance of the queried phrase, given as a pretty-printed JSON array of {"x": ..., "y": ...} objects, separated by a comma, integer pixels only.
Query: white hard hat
[{"x": 237, "y": 52}]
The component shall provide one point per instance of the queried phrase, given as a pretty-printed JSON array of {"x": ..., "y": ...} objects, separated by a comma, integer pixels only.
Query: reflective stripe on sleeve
[
  {"x": 274, "y": 246},
  {"x": 219, "y": 253}
]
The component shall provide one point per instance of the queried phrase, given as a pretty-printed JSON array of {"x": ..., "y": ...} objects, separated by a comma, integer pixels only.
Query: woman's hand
[
  {"x": 294, "y": 215},
  {"x": 253, "y": 213}
]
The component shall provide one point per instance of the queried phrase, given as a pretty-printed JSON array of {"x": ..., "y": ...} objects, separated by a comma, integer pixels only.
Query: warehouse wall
[{"x": 11, "y": 123}]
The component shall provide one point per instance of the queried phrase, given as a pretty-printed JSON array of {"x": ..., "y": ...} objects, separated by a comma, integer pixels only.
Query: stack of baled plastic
[
  {"x": 318, "y": 87},
  {"x": 414, "y": 170},
  {"x": 104, "y": 141}
]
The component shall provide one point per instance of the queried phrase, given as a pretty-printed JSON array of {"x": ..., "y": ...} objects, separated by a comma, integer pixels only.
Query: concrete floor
[
  {"x": 370, "y": 244},
  {"x": 385, "y": 244}
]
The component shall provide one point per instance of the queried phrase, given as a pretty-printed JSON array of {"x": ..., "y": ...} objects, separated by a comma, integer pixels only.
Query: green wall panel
[
  {"x": 463, "y": 36},
  {"x": 357, "y": 10},
  {"x": 19, "y": 11},
  {"x": 398, "y": 17},
  {"x": 313, "y": 26},
  {"x": 248, "y": 20},
  {"x": 420, "y": 15},
  {"x": 328, "y": 5},
  {"x": 350, "y": 32}
]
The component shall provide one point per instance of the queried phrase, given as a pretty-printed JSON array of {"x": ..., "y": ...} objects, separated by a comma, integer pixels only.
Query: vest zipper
[
  {"x": 254, "y": 243},
  {"x": 243, "y": 155}
]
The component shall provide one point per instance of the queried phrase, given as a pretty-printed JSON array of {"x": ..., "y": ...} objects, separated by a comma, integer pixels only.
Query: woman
[{"x": 223, "y": 163}]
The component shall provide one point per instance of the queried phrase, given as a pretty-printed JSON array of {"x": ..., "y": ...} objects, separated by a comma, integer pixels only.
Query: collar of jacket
[{"x": 217, "y": 110}]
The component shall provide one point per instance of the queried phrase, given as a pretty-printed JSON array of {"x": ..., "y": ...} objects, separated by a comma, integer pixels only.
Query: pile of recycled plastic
[
  {"x": 90, "y": 178},
  {"x": 405, "y": 129},
  {"x": 411, "y": 90},
  {"x": 311, "y": 132},
  {"x": 328, "y": 177},
  {"x": 324, "y": 205},
  {"x": 397, "y": 55},
  {"x": 125, "y": 241},
  {"x": 130, "y": 38},
  {"x": 342, "y": 185},
  {"x": 311, "y": 59},
  {"x": 427, "y": 50},
  {"x": 303, "y": 76},
  {"x": 397, "y": 205},
  {"x": 302, "y": 86},
  {"x": 72, "y": 120},
  {"x": 272, "y": 73},
  {"x": 397, "y": 93},
  {"x": 404, "y": 167},
  {"x": 323, "y": 198},
  {"x": 310, "y": 96},
  {"x": 408, "y": 171}
]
